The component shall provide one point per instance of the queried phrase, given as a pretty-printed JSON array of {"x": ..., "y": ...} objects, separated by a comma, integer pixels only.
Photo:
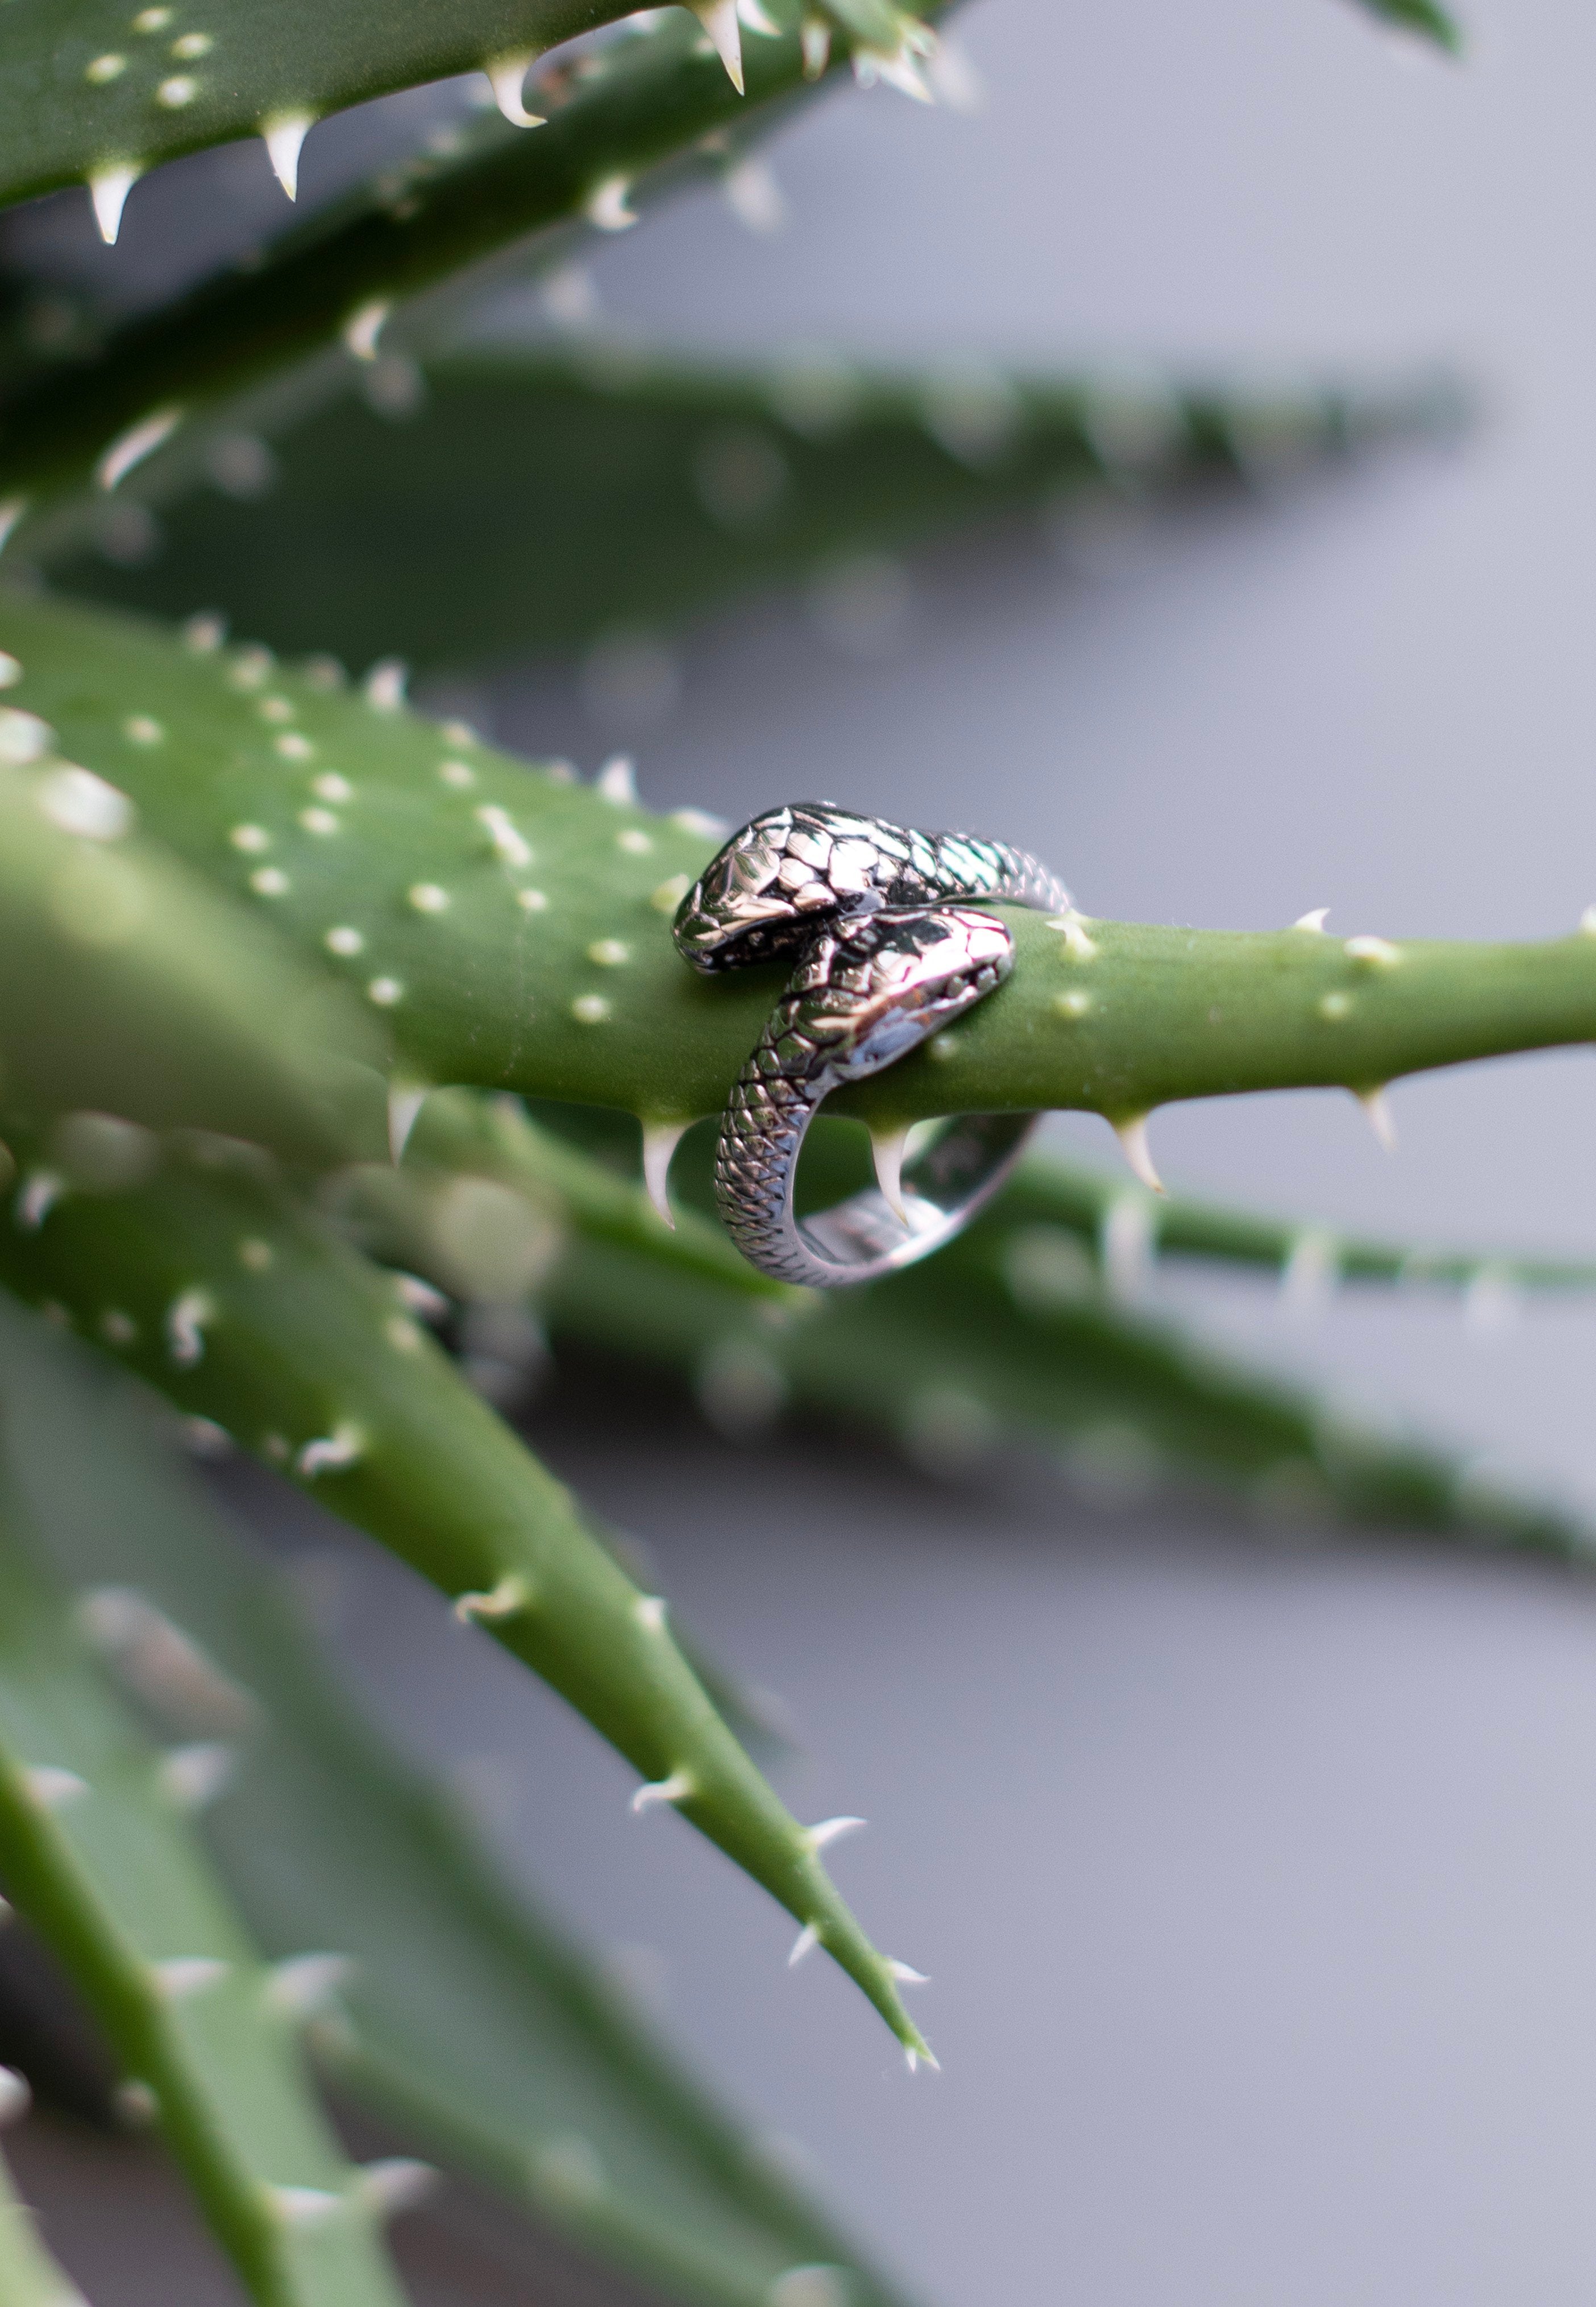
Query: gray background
[{"x": 1258, "y": 1885}]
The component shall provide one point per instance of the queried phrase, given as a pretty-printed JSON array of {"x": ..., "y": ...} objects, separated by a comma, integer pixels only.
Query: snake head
[{"x": 762, "y": 895}]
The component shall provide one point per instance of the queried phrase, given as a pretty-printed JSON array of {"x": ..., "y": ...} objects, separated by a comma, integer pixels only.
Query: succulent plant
[{"x": 327, "y": 1026}]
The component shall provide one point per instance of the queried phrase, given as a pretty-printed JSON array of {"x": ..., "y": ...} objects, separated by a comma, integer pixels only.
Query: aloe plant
[{"x": 331, "y": 1029}]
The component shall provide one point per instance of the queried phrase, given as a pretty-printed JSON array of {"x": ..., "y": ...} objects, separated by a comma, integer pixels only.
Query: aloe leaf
[
  {"x": 1095, "y": 1206},
  {"x": 29, "y": 2276},
  {"x": 1025, "y": 1329},
  {"x": 633, "y": 122},
  {"x": 1420, "y": 16},
  {"x": 379, "y": 538},
  {"x": 95, "y": 1853},
  {"x": 131, "y": 990},
  {"x": 461, "y": 2015},
  {"x": 111, "y": 91},
  {"x": 516, "y": 926},
  {"x": 211, "y": 1284},
  {"x": 1006, "y": 1345}
]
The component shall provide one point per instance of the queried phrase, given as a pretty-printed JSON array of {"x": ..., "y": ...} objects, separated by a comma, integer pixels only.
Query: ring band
[{"x": 889, "y": 956}]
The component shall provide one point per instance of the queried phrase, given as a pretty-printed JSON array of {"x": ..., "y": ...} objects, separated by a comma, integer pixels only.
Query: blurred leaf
[
  {"x": 133, "y": 989},
  {"x": 1421, "y": 16},
  {"x": 534, "y": 499},
  {"x": 466, "y": 2019},
  {"x": 210, "y": 1281},
  {"x": 95, "y": 1852},
  {"x": 104, "y": 89},
  {"x": 304, "y": 316},
  {"x": 29, "y": 2276}
]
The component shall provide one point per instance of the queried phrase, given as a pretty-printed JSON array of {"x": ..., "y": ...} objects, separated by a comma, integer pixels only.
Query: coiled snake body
[{"x": 890, "y": 949}]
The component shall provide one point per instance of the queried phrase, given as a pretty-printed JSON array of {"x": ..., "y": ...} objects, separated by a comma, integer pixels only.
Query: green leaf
[
  {"x": 130, "y": 989},
  {"x": 1092, "y": 1205},
  {"x": 648, "y": 486},
  {"x": 1024, "y": 1330},
  {"x": 955, "y": 1362},
  {"x": 112, "y": 89},
  {"x": 95, "y": 1853},
  {"x": 466, "y": 2020},
  {"x": 516, "y": 927},
  {"x": 632, "y": 123},
  {"x": 29, "y": 2276},
  {"x": 1421, "y": 16},
  {"x": 212, "y": 1285}
]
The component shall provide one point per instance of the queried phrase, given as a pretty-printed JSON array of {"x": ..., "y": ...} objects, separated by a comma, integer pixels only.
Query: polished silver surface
[{"x": 889, "y": 956}]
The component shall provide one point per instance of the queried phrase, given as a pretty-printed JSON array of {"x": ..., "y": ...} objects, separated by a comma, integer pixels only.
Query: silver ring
[{"x": 890, "y": 951}]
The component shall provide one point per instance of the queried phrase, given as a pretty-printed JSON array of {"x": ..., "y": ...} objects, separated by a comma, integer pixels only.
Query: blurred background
[{"x": 1255, "y": 1880}]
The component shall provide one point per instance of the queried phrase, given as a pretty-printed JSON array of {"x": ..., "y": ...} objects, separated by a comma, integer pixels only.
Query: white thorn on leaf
[
  {"x": 887, "y": 1148},
  {"x": 15, "y": 2096},
  {"x": 306, "y": 1983},
  {"x": 507, "y": 77},
  {"x": 140, "y": 441},
  {"x": 330, "y": 1453},
  {"x": 649, "y": 1611},
  {"x": 192, "y": 1777},
  {"x": 185, "y": 1320},
  {"x": 1310, "y": 1275},
  {"x": 508, "y": 843},
  {"x": 383, "y": 687},
  {"x": 1587, "y": 922},
  {"x": 806, "y": 1941},
  {"x": 899, "y": 67},
  {"x": 51, "y": 1788},
  {"x": 832, "y": 1830},
  {"x": 700, "y": 822},
  {"x": 1132, "y": 1136},
  {"x": 754, "y": 197},
  {"x": 1314, "y": 921},
  {"x": 954, "y": 79},
  {"x": 396, "y": 2183},
  {"x": 617, "y": 781},
  {"x": 1372, "y": 949},
  {"x": 11, "y": 512},
  {"x": 660, "y": 1141},
  {"x": 509, "y": 1596},
  {"x": 183, "y": 1974},
  {"x": 1492, "y": 1300},
  {"x": 911, "y": 2059},
  {"x": 283, "y": 138},
  {"x": 78, "y": 802},
  {"x": 719, "y": 20},
  {"x": 405, "y": 1101},
  {"x": 673, "y": 1789},
  {"x": 108, "y": 189},
  {"x": 754, "y": 16},
  {"x": 815, "y": 38},
  {"x": 305, "y": 2207},
  {"x": 605, "y": 205},
  {"x": 37, "y": 1196},
  {"x": 363, "y": 327},
  {"x": 1381, "y": 1120},
  {"x": 905, "y": 1974}
]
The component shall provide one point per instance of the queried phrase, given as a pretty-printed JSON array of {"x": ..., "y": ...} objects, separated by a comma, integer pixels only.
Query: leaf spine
[
  {"x": 507, "y": 77},
  {"x": 1132, "y": 1135},
  {"x": 719, "y": 20},
  {"x": 660, "y": 1141},
  {"x": 108, "y": 188},
  {"x": 676, "y": 1789},
  {"x": 140, "y": 441},
  {"x": 283, "y": 136}
]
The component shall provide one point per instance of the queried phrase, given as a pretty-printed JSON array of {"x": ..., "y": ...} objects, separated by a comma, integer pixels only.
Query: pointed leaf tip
[{"x": 719, "y": 20}]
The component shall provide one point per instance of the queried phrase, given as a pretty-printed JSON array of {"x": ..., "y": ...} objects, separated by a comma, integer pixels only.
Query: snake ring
[{"x": 882, "y": 922}]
